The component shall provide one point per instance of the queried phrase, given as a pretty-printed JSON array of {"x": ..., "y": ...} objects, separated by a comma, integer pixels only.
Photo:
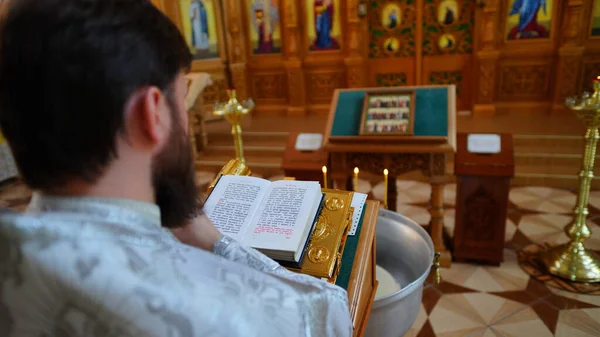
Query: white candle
[{"x": 385, "y": 188}]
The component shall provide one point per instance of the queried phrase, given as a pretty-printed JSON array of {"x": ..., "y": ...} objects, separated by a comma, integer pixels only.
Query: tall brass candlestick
[
  {"x": 356, "y": 179},
  {"x": 385, "y": 188},
  {"x": 572, "y": 260},
  {"x": 324, "y": 176},
  {"x": 234, "y": 111}
]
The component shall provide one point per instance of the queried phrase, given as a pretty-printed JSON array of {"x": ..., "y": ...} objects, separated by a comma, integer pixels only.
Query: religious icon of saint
[
  {"x": 528, "y": 26},
  {"x": 447, "y": 42},
  {"x": 266, "y": 20},
  {"x": 324, "y": 25},
  {"x": 449, "y": 16},
  {"x": 393, "y": 17},
  {"x": 391, "y": 45},
  {"x": 199, "y": 22}
]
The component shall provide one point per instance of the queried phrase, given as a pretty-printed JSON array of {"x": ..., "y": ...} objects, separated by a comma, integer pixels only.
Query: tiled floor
[{"x": 475, "y": 300}]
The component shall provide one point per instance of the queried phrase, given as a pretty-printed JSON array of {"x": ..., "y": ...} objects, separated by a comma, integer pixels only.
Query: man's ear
[{"x": 147, "y": 118}]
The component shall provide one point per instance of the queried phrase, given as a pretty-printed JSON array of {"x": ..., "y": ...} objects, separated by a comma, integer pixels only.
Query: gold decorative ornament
[
  {"x": 319, "y": 254},
  {"x": 573, "y": 261},
  {"x": 322, "y": 228},
  {"x": 234, "y": 111},
  {"x": 334, "y": 203}
]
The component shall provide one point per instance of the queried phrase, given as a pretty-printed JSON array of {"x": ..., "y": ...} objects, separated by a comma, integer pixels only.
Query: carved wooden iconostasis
[
  {"x": 290, "y": 55},
  {"x": 538, "y": 57},
  {"x": 421, "y": 42}
]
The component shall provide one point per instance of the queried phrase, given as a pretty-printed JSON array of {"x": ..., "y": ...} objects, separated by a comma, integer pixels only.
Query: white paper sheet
[{"x": 358, "y": 202}]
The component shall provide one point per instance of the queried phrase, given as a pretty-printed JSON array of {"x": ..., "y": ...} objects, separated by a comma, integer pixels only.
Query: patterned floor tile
[
  {"x": 591, "y": 299},
  {"x": 546, "y": 302},
  {"x": 578, "y": 323},
  {"x": 419, "y": 322},
  {"x": 550, "y": 228},
  {"x": 543, "y": 199},
  {"x": 508, "y": 277},
  {"x": 450, "y": 319},
  {"x": 522, "y": 323},
  {"x": 471, "y": 314}
]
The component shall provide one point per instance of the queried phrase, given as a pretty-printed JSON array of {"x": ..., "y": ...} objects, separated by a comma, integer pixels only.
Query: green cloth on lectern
[
  {"x": 349, "y": 253},
  {"x": 431, "y": 117}
]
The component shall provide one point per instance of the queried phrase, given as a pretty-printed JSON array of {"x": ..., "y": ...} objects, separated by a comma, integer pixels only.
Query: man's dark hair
[{"x": 67, "y": 69}]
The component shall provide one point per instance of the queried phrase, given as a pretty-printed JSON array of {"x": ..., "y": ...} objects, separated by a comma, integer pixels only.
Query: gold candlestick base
[{"x": 572, "y": 261}]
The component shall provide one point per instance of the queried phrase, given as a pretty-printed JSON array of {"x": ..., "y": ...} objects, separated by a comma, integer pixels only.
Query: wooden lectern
[
  {"x": 483, "y": 182},
  {"x": 426, "y": 150}
]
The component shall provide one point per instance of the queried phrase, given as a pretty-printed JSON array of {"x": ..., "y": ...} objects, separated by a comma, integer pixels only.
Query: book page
[
  {"x": 283, "y": 215},
  {"x": 358, "y": 202},
  {"x": 233, "y": 202}
]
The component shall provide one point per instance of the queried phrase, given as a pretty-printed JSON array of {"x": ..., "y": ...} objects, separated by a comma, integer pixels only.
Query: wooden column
[
  {"x": 570, "y": 53},
  {"x": 354, "y": 61},
  {"x": 438, "y": 180},
  {"x": 293, "y": 64},
  {"x": 237, "y": 52},
  {"x": 486, "y": 58}
]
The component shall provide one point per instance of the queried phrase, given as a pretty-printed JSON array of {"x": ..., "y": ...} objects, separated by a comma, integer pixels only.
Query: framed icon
[{"x": 389, "y": 113}]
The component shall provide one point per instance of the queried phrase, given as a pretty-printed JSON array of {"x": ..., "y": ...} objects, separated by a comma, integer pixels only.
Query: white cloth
[{"x": 95, "y": 267}]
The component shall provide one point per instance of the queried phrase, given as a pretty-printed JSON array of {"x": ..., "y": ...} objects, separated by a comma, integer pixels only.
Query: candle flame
[
  {"x": 324, "y": 169},
  {"x": 385, "y": 172},
  {"x": 356, "y": 170}
]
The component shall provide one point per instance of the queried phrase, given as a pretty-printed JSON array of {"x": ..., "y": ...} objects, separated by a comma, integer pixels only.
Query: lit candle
[
  {"x": 324, "y": 176},
  {"x": 356, "y": 179},
  {"x": 385, "y": 188}
]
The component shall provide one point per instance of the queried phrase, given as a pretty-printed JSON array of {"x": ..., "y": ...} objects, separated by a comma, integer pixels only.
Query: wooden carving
[
  {"x": 234, "y": 19},
  {"x": 487, "y": 72},
  {"x": 524, "y": 81},
  {"x": 239, "y": 79},
  {"x": 295, "y": 83},
  {"x": 322, "y": 84},
  {"x": 392, "y": 29},
  {"x": 448, "y": 27},
  {"x": 479, "y": 215},
  {"x": 569, "y": 73},
  {"x": 270, "y": 86},
  {"x": 391, "y": 79}
]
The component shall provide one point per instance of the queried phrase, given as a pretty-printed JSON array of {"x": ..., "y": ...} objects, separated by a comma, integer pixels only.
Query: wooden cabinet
[{"x": 483, "y": 182}]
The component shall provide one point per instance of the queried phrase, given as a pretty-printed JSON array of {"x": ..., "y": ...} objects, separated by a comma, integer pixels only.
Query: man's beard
[{"x": 174, "y": 179}]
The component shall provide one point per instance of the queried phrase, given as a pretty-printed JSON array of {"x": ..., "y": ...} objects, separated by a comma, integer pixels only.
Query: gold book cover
[{"x": 324, "y": 247}]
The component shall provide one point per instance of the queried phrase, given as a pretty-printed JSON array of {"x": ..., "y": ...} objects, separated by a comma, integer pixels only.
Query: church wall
[
  {"x": 498, "y": 62},
  {"x": 535, "y": 74}
]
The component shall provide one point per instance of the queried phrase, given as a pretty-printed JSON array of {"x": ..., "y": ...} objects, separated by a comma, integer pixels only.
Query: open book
[{"x": 275, "y": 218}]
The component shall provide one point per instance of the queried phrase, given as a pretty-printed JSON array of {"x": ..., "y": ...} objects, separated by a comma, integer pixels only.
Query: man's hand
[{"x": 200, "y": 233}]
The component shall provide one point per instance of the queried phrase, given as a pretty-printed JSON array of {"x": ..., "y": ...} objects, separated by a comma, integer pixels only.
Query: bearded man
[{"x": 114, "y": 242}]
